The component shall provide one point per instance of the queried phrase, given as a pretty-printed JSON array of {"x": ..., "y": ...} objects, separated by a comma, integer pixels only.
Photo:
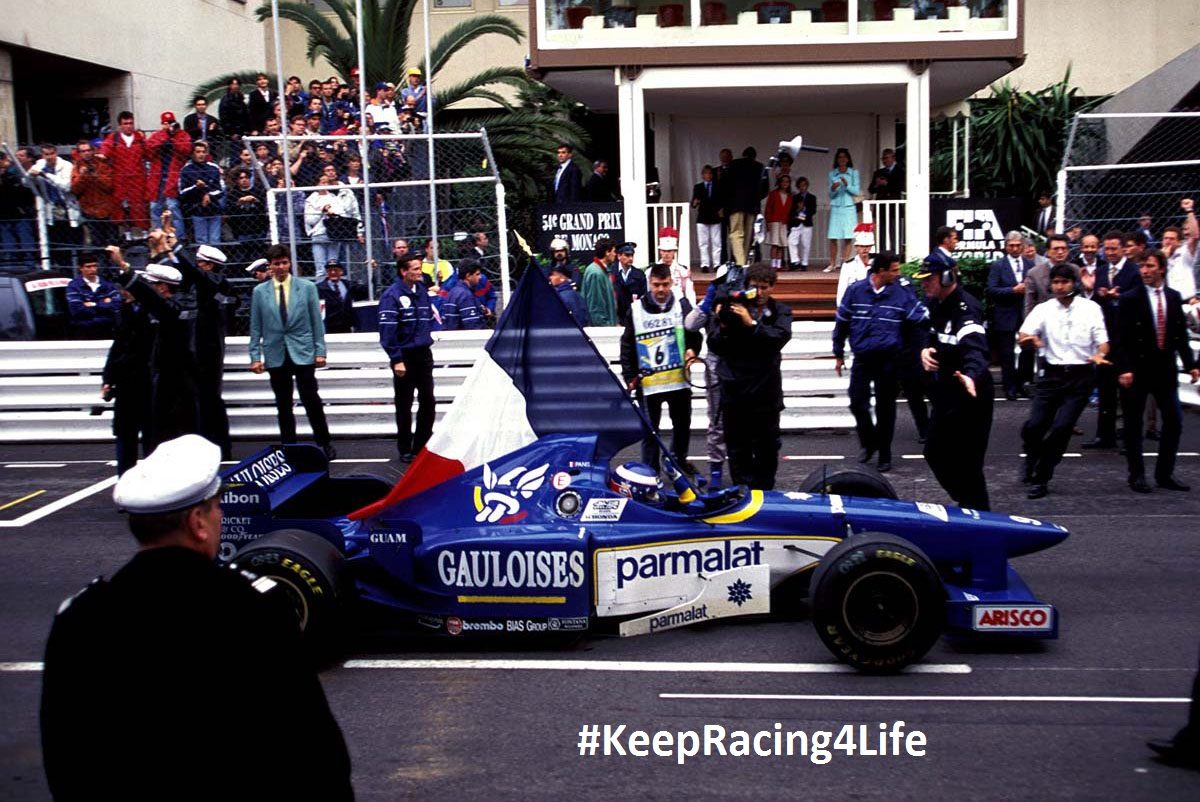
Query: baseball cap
[
  {"x": 559, "y": 244},
  {"x": 167, "y": 117}
]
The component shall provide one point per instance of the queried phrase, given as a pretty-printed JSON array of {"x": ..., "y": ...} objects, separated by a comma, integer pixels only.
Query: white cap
[
  {"x": 179, "y": 474},
  {"x": 668, "y": 244},
  {"x": 257, "y": 264},
  {"x": 164, "y": 273},
  {"x": 210, "y": 254},
  {"x": 559, "y": 244}
]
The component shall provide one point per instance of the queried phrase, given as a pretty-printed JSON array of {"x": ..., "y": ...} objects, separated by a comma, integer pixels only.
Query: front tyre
[
  {"x": 878, "y": 602},
  {"x": 307, "y": 571}
]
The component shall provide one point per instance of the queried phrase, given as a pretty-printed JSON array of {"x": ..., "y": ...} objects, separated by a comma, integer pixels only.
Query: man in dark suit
[
  {"x": 721, "y": 177},
  {"x": 567, "y": 186},
  {"x": 599, "y": 187},
  {"x": 1006, "y": 290},
  {"x": 260, "y": 106},
  {"x": 1115, "y": 275},
  {"x": 339, "y": 295},
  {"x": 706, "y": 205},
  {"x": 200, "y": 125},
  {"x": 629, "y": 282},
  {"x": 1152, "y": 333},
  {"x": 887, "y": 183},
  {"x": 945, "y": 240},
  {"x": 744, "y": 202},
  {"x": 1044, "y": 218}
]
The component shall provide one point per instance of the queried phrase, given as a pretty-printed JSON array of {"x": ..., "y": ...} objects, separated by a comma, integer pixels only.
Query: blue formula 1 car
[{"x": 543, "y": 540}]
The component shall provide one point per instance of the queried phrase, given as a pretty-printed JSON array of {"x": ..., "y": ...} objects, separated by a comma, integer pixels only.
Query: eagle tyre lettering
[
  {"x": 878, "y": 602},
  {"x": 307, "y": 572}
]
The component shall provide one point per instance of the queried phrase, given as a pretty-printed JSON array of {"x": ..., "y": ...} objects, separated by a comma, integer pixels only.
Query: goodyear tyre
[
  {"x": 878, "y": 602},
  {"x": 307, "y": 571},
  {"x": 848, "y": 480}
]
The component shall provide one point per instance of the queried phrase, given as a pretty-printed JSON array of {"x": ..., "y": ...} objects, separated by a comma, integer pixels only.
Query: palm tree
[{"x": 521, "y": 140}]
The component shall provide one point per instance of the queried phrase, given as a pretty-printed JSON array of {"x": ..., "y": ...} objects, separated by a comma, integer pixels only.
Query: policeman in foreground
[
  {"x": 962, "y": 390},
  {"x": 149, "y": 673}
]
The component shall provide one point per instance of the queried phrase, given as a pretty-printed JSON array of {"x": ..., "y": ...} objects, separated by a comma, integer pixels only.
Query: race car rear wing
[{"x": 266, "y": 480}]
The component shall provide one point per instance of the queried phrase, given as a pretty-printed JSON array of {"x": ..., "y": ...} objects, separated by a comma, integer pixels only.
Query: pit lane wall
[{"x": 50, "y": 391}]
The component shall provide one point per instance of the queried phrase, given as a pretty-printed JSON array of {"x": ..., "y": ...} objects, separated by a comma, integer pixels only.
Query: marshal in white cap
[
  {"x": 258, "y": 264},
  {"x": 163, "y": 273},
  {"x": 207, "y": 253},
  {"x": 179, "y": 474}
]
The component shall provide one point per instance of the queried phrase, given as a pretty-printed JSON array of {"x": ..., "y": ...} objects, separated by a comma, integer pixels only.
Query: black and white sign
[
  {"x": 580, "y": 224},
  {"x": 981, "y": 223}
]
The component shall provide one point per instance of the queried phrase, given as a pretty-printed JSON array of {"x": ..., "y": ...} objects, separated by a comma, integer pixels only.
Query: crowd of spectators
[{"x": 112, "y": 190}]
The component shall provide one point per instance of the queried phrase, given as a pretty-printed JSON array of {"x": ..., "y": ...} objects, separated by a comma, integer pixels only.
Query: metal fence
[
  {"x": 419, "y": 188},
  {"x": 1129, "y": 170}
]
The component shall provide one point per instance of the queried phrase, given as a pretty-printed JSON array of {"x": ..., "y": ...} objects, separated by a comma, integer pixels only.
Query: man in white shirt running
[{"x": 1068, "y": 332}]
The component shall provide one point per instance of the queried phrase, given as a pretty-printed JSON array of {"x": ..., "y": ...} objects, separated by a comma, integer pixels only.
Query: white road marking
[
  {"x": 808, "y": 457},
  {"x": 20, "y": 667},
  {"x": 645, "y": 666},
  {"x": 853, "y": 697},
  {"x": 62, "y": 503},
  {"x": 44, "y": 464}
]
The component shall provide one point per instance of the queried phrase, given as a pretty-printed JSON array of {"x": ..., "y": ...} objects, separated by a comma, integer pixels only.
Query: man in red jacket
[
  {"x": 167, "y": 149},
  {"x": 125, "y": 150}
]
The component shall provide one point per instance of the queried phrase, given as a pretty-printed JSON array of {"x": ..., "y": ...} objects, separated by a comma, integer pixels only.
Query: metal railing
[{"x": 50, "y": 391}]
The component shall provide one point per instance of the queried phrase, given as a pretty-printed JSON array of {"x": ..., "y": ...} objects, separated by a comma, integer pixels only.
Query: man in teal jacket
[{"x": 287, "y": 340}]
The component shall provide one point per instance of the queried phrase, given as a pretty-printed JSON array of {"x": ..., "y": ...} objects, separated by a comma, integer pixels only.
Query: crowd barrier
[{"x": 50, "y": 391}]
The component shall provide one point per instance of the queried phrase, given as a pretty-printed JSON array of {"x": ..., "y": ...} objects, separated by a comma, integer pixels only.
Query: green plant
[
  {"x": 1017, "y": 138},
  {"x": 522, "y": 140}
]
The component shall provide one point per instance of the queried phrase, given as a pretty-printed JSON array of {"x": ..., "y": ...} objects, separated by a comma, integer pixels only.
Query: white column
[
  {"x": 631, "y": 128},
  {"x": 917, "y": 168}
]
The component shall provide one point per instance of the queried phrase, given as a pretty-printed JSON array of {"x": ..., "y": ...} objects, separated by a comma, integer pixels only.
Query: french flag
[{"x": 539, "y": 374}]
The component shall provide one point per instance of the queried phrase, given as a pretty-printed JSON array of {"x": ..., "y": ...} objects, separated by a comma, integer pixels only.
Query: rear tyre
[
  {"x": 878, "y": 602},
  {"x": 848, "y": 480},
  {"x": 307, "y": 571}
]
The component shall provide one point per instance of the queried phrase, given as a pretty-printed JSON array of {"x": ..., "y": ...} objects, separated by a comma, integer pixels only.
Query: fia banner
[
  {"x": 580, "y": 224},
  {"x": 981, "y": 223}
]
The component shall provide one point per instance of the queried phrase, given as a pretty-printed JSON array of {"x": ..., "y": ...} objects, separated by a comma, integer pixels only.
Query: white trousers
[
  {"x": 799, "y": 244},
  {"x": 709, "y": 237}
]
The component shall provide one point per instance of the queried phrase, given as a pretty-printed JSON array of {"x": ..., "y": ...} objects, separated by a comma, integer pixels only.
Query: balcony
[{"x": 654, "y": 26}]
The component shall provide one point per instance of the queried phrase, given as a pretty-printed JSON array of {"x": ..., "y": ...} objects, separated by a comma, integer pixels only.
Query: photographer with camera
[{"x": 747, "y": 332}]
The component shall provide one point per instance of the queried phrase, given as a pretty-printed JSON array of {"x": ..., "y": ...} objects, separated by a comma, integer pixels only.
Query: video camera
[{"x": 729, "y": 296}]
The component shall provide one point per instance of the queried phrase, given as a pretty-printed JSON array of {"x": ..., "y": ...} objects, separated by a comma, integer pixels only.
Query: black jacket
[
  {"x": 147, "y": 673},
  {"x": 258, "y": 109},
  {"x": 887, "y": 185},
  {"x": 127, "y": 366},
  {"x": 746, "y": 186},
  {"x": 599, "y": 189},
  {"x": 234, "y": 114},
  {"x": 959, "y": 339},
  {"x": 627, "y": 290},
  {"x": 214, "y": 298},
  {"x": 570, "y": 186},
  {"x": 339, "y": 312},
  {"x": 1137, "y": 350},
  {"x": 708, "y": 205},
  {"x": 750, "y": 356},
  {"x": 692, "y": 340},
  {"x": 808, "y": 206}
]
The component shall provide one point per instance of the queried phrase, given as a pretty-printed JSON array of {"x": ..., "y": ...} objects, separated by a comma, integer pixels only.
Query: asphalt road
[{"x": 1064, "y": 719}]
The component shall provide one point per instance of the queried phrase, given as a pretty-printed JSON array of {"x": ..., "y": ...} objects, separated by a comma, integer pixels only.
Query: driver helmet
[{"x": 636, "y": 480}]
